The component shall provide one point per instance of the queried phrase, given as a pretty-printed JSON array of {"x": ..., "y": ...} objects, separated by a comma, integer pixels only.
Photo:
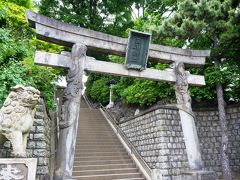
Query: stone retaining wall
[
  {"x": 209, "y": 132},
  {"x": 39, "y": 143},
  {"x": 158, "y": 137}
]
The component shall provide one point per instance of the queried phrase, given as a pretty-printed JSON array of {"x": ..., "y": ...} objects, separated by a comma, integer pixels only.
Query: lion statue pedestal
[{"x": 17, "y": 116}]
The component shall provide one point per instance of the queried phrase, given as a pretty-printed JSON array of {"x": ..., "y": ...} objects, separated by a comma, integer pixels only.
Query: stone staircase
[{"x": 99, "y": 154}]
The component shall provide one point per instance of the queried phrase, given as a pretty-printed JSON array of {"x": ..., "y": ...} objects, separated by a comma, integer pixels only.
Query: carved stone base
[
  {"x": 18, "y": 168},
  {"x": 199, "y": 175},
  {"x": 157, "y": 174}
]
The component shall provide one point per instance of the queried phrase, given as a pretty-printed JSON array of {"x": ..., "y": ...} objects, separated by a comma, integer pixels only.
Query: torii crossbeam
[
  {"x": 93, "y": 65},
  {"x": 64, "y": 34}
]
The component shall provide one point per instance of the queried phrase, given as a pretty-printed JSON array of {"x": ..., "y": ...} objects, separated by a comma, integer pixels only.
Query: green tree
[
  {"x": 113, "y": 17},
  {"x": 17, "y": 53},
  {"x": 23, "y": 3},
  {"x": 211, "y": 24}
]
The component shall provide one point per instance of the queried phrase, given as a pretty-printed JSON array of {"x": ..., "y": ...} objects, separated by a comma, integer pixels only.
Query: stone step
[
  {"x": 105, "y": 166},
  {"x": 92, "y": 158},
  {"x": 91, "y": 115},
  {"x": 79, "y": 141},
  {"x": 96, "y": 134},
  {"x": 100, "y": 139},
  {"x": 105, "y": 171},
  {"x": 78, "y": 149},
  {"x": 95, "y": 146},
  {"x": 89, "y": 121},
  {"x": 95, "y": 142},
  {"x": 88, "y": 127},
  {"x": 92, "y": 129},
  {"x": 97, "y": 118},
  {"x": 102, "y": 162},
  {"x": 92, "y": 145},
  {"x": 94, "y": 126},
  {"x": 131, "y": 179},
  {"x": 101, "y": 153},
  {"x": 108, "y": 176},
  {"x": 106, "y": 137},
  {"x": 99, "y": 143}
]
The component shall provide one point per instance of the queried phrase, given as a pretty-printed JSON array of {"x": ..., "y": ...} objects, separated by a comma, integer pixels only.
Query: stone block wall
[
  {"x": 209, "y": 132},
  {"x": 158, "y": 137},
  {"x": 39, "y": 143}
]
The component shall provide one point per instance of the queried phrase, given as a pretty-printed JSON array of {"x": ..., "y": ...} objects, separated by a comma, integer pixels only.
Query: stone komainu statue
[{"x": 16, "y": 117}]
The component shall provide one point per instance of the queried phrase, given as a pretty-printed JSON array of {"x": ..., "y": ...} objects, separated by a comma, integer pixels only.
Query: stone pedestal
[
  {"x": 18, "y": 168},
  {"x": 198, "y": 175},
  {"x": 157, "y": 174}
]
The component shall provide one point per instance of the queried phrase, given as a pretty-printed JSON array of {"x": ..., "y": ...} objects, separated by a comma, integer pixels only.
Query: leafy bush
[
  {"x": 99, "y": 91},
  {"x": 17, "y": 54},
  {"x": 145, "y": 92}
]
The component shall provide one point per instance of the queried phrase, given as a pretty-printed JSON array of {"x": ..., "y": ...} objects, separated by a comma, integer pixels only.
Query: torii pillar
[
  {"x": 187, "y": 118},
  {"x": 70, "y": 114}
]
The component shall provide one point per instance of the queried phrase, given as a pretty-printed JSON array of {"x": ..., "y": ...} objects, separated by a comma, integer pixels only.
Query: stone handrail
[{"x": 87, "y": 101}]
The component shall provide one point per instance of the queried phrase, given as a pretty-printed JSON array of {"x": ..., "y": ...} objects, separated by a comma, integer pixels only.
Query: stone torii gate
[{"x": 81, "y": 40}]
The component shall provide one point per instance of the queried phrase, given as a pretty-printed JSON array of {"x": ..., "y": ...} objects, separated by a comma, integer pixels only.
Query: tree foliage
[
  {"x": 209, "y": 25},
  {"x": 171, "y": 22},
  {"x": 98, "y": 90},
  {"x": 112, "y": 17},
  {"x": 191, "y": 26},
  {"x": 212, "y": 25},
  {"x": 17, "y": 53},
  {"x": 22, "y": 3}
]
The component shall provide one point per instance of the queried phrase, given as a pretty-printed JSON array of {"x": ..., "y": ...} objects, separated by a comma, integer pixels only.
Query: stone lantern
[{"x": 110, "y": 83}]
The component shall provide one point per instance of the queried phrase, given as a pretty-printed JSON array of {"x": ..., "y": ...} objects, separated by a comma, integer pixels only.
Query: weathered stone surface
[
  {"x": 165, "y": 143},
  {"x": 156, "y": 140},
  {"x": 16, "y": 117},
  {"x": 70, "y": 114},
  {"x": 61, "y": 33},
  {"x": 24, "y": 168},
  {"x": 209, "y": 131},
  {"x": 187, "y": 117},
  {"x": 40, "y": 147},
  {"x": 198, "y": 175},
  {"x": 191, "y": 140},
  {"x": 92, "y": 65}
]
